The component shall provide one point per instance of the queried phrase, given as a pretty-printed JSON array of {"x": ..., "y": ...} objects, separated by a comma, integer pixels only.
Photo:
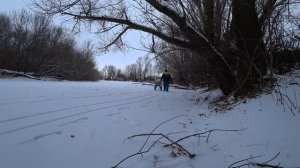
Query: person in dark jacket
[{"x": 166, "y": 78}]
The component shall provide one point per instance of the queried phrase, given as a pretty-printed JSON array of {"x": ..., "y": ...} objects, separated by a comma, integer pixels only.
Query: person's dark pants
[{"x": 166, "y": 86}]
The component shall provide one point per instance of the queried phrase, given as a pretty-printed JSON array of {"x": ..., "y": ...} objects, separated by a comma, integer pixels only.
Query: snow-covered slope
[{"x": 46, "y": 124}]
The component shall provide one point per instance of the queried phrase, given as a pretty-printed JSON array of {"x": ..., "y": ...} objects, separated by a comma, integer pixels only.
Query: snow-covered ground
[{"x": 59, "y": 124}]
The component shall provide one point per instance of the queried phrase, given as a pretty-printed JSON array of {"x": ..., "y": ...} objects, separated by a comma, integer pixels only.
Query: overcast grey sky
[{"x": 118, "y": 59}]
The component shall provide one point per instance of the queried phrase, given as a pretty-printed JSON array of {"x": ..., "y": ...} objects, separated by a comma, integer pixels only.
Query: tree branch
[
  {"x": 172, "y": 142},
  {"x": 209, "y": 132},
  {"x": 248, "y": 163},
  {"x": 136, "y": 26},
  {"x": 195, "y": 37},
  {"x": 116, "y": 39}
]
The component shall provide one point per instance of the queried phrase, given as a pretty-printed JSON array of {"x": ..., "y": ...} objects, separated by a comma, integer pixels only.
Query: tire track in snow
[
  {"x": 67, "y": 92},
  {"x": 40, "y": 137},
  {"x": 56, "y": 98},
  {"x": 68, "y": 108},
  {"x": 75, "y": 114}
]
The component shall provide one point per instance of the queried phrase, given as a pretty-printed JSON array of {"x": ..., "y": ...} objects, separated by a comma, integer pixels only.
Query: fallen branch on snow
[
  {"x": 15, "y": 73},
  {"x": 249, "y": 162},
  {"x": 172, "y": 143},
  {"x": 176, "y": 145},
  {"x": 141, "y": 152}
]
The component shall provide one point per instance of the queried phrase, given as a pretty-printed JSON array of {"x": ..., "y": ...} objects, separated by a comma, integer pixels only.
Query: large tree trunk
[
  {"x": 209, "y": 28},
  {"x": 249, "y": 41},
  {"x": 222, "y": 74}
]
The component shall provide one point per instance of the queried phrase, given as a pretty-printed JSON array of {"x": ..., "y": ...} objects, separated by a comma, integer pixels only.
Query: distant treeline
[{"x": 31, "y": 43}]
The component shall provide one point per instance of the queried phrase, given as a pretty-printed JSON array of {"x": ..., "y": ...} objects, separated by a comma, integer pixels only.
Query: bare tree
[
  {"x": 104, "y": 71},
  {"x": 113, "y": 16},
  {"x": 147, "y": 66},
  {"x": 21, "y": 28},
  {"x": 37, "y": 43},
  {"x": 177, "y": 22},
  {"x": 29, "y": 43},
  {"x": 5, "y": 36},
  {"x": 111, "y": 72},
  {"x": 139, "y": 63},
  {"x": 120, "y": 75},
  {"x": 131, "y": 72},
  {"x": 187, "y": 68}
]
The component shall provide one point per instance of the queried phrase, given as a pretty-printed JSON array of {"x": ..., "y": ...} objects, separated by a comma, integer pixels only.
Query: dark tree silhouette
[{"x": 189, "y": 24}]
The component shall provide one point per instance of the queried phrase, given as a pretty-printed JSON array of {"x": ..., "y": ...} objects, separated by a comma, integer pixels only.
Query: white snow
[{"x": 60, "y": 124}]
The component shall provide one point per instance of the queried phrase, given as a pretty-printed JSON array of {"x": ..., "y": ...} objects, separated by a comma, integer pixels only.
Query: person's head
[{"x": 166, "y": 70}]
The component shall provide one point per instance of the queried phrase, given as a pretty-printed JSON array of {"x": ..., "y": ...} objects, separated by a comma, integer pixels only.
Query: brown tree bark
[{"x": 249, "y": 41}]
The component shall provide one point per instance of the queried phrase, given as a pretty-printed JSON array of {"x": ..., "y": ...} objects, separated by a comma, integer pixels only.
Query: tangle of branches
[{"x": 173, "y": 144}]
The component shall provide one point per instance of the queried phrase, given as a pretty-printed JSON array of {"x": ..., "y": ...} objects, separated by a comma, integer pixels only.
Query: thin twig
[
  {"x": 157, "y": 128},
  {"x": 230, "y": 166},
  {"x": 138, "y": 153},
  {"x": 169, "y": 139},
  {"x": 272, "y": 158},
  {"x": 285, "y": 100},
  {"x": 141, "y": 152},
  {"x": 248, "y": 163},
  {"x": 172, "y": 142},
  {"x": 201, "y": 133}
]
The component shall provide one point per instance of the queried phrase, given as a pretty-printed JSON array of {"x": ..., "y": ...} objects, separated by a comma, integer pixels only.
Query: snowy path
[
  {"x": 47, "y": 124},
  {"x": 38, "y": 119}
]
